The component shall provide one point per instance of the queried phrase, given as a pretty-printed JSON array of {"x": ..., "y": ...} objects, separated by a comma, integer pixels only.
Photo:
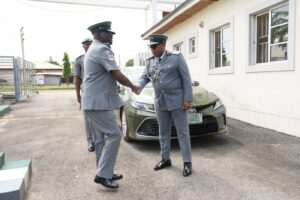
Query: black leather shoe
[
  {"x": 163, "y": 164},
  {"x": 117, "y": 177},
  {"x": 91, "y": 147},
  {"x": 187, "y": 168},
  {"x": 106, "y": 182}
]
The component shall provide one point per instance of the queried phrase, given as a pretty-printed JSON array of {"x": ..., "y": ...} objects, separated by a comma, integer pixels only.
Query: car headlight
[
  {"x": 143, "y": 106},
  {"x": 218, "y": 104}
]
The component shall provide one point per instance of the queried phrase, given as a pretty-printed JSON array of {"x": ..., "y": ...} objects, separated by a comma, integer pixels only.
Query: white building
[
  {"x": 244, "y": 51},
  {"x": 47, "y": 73}
]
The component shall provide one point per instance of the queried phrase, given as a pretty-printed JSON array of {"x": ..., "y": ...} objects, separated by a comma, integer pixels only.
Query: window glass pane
[
  {"x": 262, "y": 53},
  {"x": 226, "y": 59},
  {"x": 279, "y": 52},
  {"x": 263, "y": 28},
  {"x": 217, "y": 49},
  {"x": 226, "y": 33},
  {"x": 262, "y": 38},
  {"x": 279, "y": 34},
  {"x": 226, "y": 47},
  {"x": 280, "y": 15},
  {"x": 193, "y": 49}
]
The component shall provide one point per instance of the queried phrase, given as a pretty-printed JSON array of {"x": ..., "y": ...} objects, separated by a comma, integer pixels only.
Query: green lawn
[
  {"x": 55, "y": 87},
  {"x": 42, "y": 87}
]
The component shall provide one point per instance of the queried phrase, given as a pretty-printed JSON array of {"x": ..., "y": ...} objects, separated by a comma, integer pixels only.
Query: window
[
  {"x": 192, "y": 48},
  {"x": 192, "y": 45},
  {"x": 222, "y": 50},
  {"x": 221, "y": 47},
  {"x": 178, "y": 47},
  {"x": 271, "y": 37}
]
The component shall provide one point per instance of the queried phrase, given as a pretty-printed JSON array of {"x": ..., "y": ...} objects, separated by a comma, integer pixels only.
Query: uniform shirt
[
  {"x": 171, "y": 80},
  {"x": 100, "y": 91},
  {"x": 78, "y": 66}
]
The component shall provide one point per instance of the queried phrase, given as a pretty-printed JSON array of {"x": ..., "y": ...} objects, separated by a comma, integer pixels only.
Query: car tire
[{"x": 124, "y": 126}]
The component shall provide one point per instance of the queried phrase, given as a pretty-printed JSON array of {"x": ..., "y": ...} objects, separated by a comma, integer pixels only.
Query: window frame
[
  {"x": 227, "y": 22},
  {"x": 192, "y": 54},
  {"x": 266, "y": 7},
  {"x": 182, "y": 44}
]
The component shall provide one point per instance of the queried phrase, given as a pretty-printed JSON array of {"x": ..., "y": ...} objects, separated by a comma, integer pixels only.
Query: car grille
[{"x": 210, "y": 124}]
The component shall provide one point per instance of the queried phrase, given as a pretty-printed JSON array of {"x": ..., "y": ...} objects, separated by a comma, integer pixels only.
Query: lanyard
[{"x": 154, "y": 75}]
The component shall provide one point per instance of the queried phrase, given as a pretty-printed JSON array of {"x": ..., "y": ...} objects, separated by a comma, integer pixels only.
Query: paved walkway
[{"x": 248, "y": 163}]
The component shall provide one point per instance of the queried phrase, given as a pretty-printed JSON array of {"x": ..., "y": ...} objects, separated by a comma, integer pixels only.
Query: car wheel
[{"x": 124, "y": 126}]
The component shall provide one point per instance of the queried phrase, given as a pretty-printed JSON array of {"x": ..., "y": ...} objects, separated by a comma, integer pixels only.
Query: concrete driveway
[{"x": 248, "y": 163}]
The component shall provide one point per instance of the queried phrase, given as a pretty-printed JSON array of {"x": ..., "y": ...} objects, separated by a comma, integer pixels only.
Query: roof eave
[{"x": 178, "y": 15}]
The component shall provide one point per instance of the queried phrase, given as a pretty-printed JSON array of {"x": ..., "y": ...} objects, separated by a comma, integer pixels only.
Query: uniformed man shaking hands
[
  {"x": 172, "y": 83},
  {"x": 100, "y": 98}
]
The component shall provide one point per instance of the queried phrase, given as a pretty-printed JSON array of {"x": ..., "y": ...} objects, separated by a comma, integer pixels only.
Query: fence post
[{"x": 17, "y": 80}]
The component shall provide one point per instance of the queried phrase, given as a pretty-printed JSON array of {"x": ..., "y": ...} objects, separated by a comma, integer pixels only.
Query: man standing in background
[{"x": 78, "y": 70}]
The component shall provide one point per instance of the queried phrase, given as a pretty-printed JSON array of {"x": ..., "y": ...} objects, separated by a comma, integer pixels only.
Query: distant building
[
  {"x": 47, "y": 73},
  {"x": 44, "y": 73}
]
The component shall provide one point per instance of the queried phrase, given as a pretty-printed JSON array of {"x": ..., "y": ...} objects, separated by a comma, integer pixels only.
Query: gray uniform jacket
[
  {"x": 100, "y": 91},
  {"x": 171, "y": 80},
  {"x": 78, "y": 66}
]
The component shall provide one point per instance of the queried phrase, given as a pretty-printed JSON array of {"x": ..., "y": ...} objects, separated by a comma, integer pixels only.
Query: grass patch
[
  {"x": 42, "y": 87},
  {"x": 55, "y": 87},
  {"x": 7, "y": 88}
]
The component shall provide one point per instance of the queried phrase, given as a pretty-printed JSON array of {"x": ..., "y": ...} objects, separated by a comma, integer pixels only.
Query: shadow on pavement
[{"x": 220, "y": 144}]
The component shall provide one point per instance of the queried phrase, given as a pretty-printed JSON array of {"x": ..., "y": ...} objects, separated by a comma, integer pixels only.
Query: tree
[
  {"x": 67, "y": 67},
  {"x": 129, "y": 63}
]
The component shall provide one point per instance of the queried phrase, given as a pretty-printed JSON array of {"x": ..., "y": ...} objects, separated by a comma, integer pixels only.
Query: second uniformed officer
[
  {"x": 171, "y": 80},
  {"x": 99, "y": 99},
  {"x": 78, "y": 72}
]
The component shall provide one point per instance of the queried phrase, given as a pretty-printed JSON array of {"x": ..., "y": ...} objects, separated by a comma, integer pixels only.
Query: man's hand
[
  {"x": 186, "y": 105},
  {"x": 136, "y": 89}
]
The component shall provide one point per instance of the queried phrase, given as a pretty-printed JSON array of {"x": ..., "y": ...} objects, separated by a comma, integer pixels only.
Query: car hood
[
  {"x": 200, "y": 96},
  {"x": 146, "y": 96}
]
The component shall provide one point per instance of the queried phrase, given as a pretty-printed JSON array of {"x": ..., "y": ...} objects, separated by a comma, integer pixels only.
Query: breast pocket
[{"x": 167, "y": 72}]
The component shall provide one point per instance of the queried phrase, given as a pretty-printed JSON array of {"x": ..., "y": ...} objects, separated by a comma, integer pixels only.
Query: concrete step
[
  {"x": 14, "y": 179},
  {"x": 12, "y": 189},
  {"x": 4, "y": 109},
  {"x": 2, "y": 159}
]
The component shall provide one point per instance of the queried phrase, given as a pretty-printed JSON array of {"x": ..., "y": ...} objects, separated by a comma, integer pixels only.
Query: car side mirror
[{"x": 195, "y": 83}]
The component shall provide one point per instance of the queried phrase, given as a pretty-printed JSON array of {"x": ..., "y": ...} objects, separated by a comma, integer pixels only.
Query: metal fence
[{"x": 16, "y": 79}]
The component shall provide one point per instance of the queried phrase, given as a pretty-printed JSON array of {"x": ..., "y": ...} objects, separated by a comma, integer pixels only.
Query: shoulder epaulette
[{"x": 79, "y": 57}]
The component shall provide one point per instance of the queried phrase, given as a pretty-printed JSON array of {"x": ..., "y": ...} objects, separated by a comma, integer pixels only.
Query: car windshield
[{"x": 134, "y": 74}]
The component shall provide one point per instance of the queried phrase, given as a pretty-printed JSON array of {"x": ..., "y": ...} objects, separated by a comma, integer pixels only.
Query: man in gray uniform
[
  {"x": 100, "y": 98},
  {"x": 78, "y": 68},
  {"x": 171, "y": 80}
]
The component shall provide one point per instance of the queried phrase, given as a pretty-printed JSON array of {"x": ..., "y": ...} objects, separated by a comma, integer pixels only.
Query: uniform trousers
[
  {"x": 88, "y": 131},
  {"x": 180, "y": 118},
  {"x": 107, "y": 138}
]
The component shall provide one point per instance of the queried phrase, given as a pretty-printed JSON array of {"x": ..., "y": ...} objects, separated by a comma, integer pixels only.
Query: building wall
[
  {"x": 7, "y": 75},
  {"x": 268, "y": 99},
  {"x": 52, "y": 80}
]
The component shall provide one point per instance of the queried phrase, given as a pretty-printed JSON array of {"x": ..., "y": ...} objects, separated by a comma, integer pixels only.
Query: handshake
[{"x": 136, "y": 89}]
